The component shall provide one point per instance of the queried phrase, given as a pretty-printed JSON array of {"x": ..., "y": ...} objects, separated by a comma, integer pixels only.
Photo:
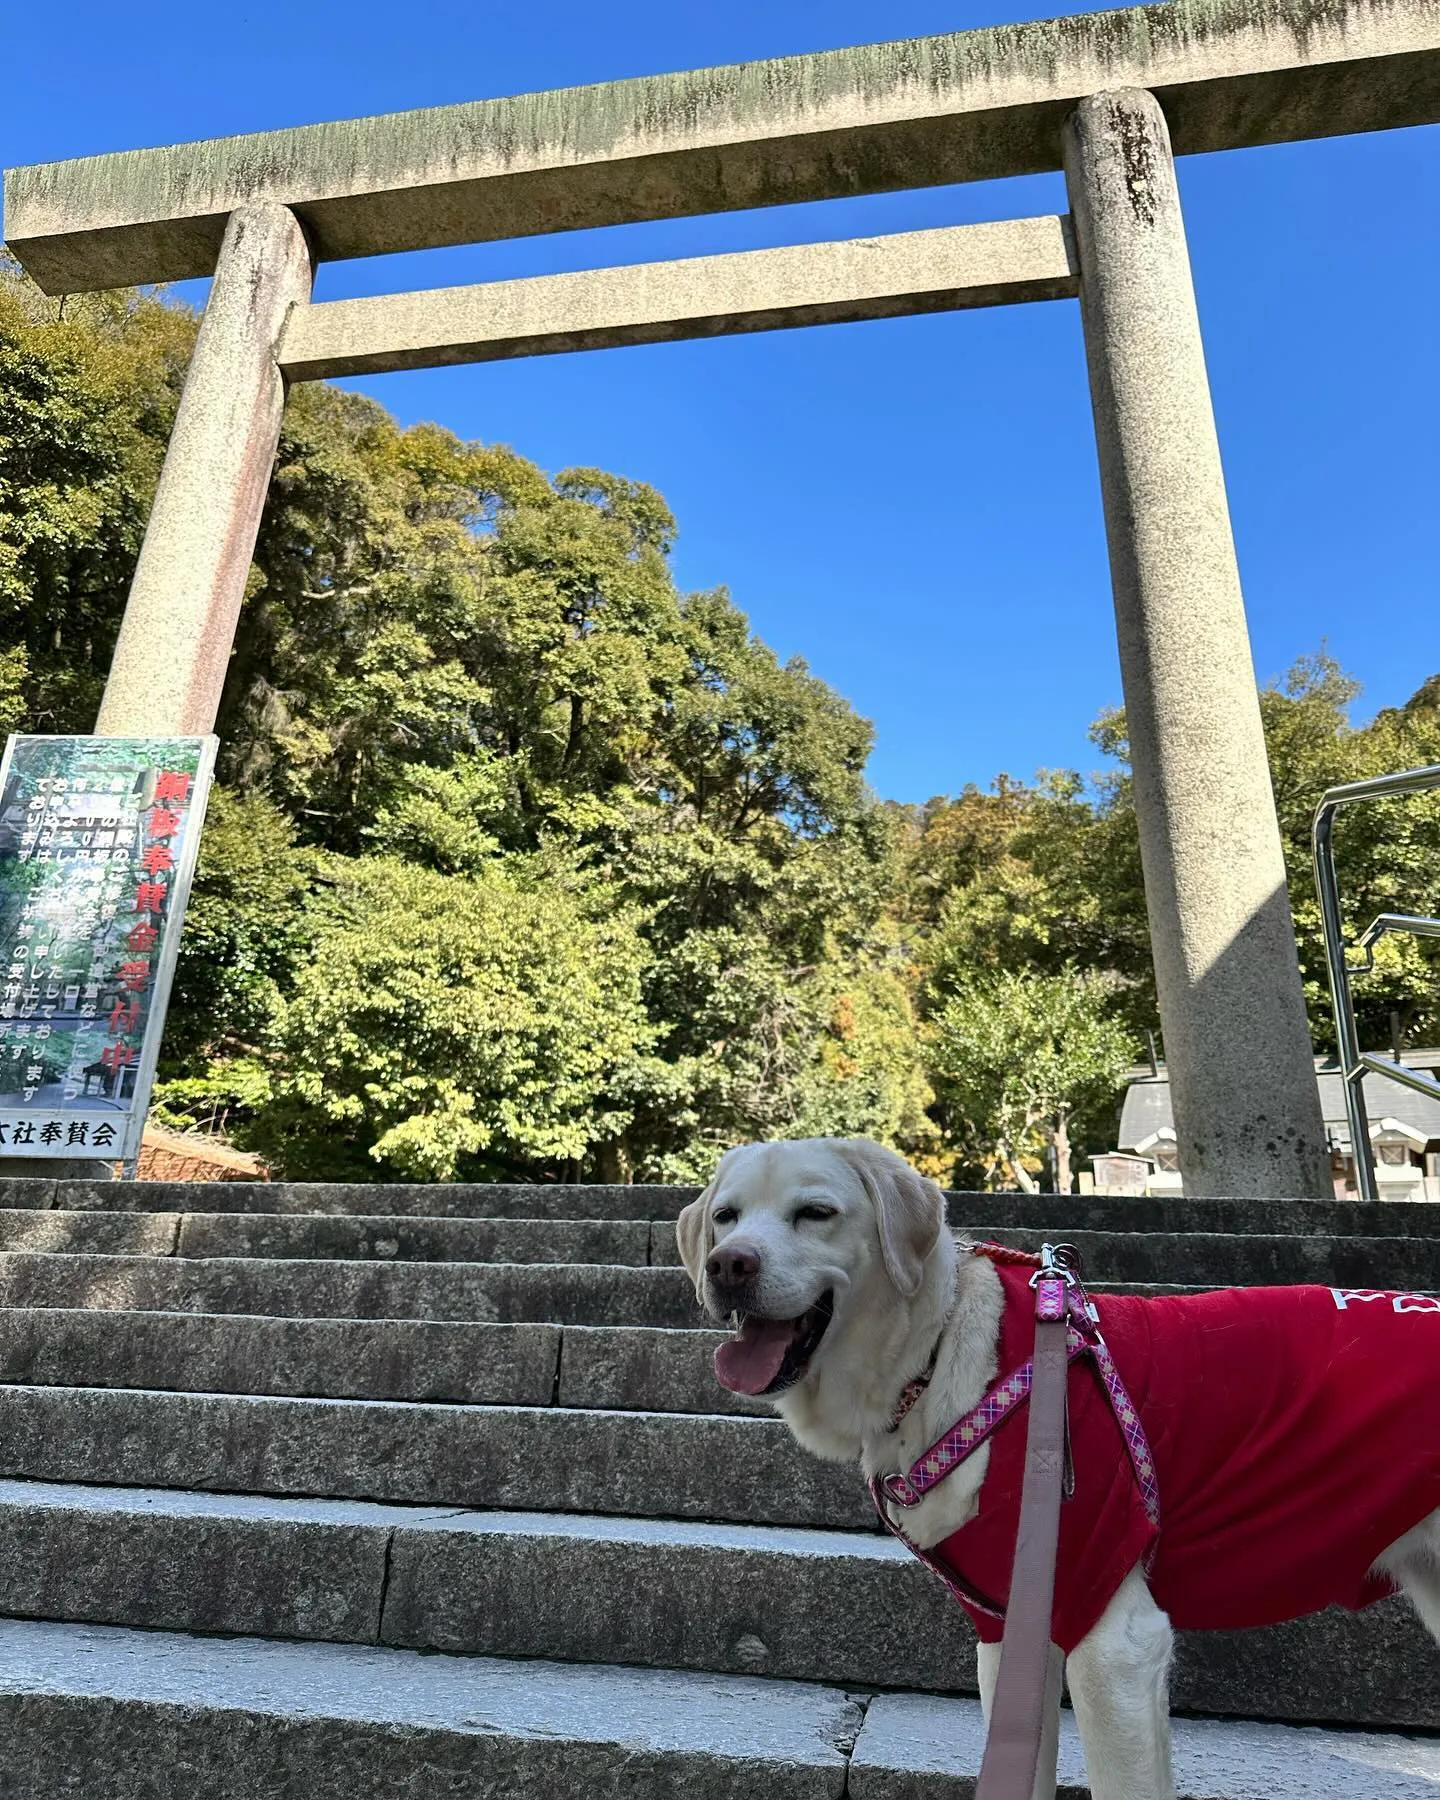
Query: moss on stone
[{"x": 781, "y": 96}]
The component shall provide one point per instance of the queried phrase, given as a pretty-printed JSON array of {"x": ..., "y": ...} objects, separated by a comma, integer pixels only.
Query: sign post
[{"x": 98, "y": 841}]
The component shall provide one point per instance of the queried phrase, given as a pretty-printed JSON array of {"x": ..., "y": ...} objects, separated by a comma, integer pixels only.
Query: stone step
[
  {"x": 1225, "y": 1259},
  {"x": 843, "y": 1607},
  {"x": 314, "y": 1288},
  {"x": 213, "y": 1719},
  {"x": 453, "y": 1200},
  {"x": 917, "y": 1747},
  {"x": 1211, "y": 1259},
  {"x": 626, "y": 1368},
  {"x": 25, "y": 1191},
  {"x": 1208, "y": 1258},
  {"x": 100, "y": 1234},
  {"x": 765, "y": 1600},
  {"x": 358, "y": 1359},
  {"x": 226, "y": 1719},
  {"x": 1050, "y": 1213},
  {"x": 482, "y": 1293},
  {"x": 356, "y": 1238},
  {"x": 1067, "y": 1213},
  {"x": 650, "y": 1465}
]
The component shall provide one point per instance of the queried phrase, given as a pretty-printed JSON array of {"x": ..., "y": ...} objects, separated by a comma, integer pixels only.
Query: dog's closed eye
[{"x": 815, "y": 1212}]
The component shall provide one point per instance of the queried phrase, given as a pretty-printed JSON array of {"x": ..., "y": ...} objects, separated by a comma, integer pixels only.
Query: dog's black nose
[{"x": 732, "y": 1267}]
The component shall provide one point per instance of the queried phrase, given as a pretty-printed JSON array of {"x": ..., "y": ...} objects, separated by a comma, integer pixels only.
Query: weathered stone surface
[
  {"x": 832, "y": 1606},
  {"x": 821, "y": 1606},
  {"x": 1059, "y": 1215},
  {"x": 904, "y": 273},
  {"x": 1054, "y": 1215},
  {"x": 396, "y": 1238},
  {"x": 168, "y": 1717},
  {"x": 194, "y": 1562},
  {"x": 651, "y": 1371},
  {"x": 155, "y": 1196},
  {"x": 359, "y": 1359},
  {"x": 916, "y": 1748},
  {"x": 913, "y": 1748},
  {"x": 58, "y": 1168},
  {"x": 1192, "y": 1258},
  {"x": 489, "y": 1293},
  {"x": 190, "y": 576},
  {"x": 963, "y": 107},
  {"x": 1213, "y": 1259},
  {"x": 1379, "y": 1667},
  {"x": 99, "y": 1234},
  {"x": 25, "y": 1191},
  {"x": 422, "y": 1455},
  {"x": 625, "y": 1368},
  {"x": 457, "y": 1200},
  {"x": 486, "y": 1293},
  {"x": 843, "y": 1606},
  {"x": 1155, "y": 1254},
  {"x": 1247, "y": 1109}
]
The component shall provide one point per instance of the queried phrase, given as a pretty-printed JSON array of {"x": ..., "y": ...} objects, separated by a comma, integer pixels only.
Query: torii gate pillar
[
  {"x": 1237, "y": 1045},
  {"x": 190, "y": 579}
]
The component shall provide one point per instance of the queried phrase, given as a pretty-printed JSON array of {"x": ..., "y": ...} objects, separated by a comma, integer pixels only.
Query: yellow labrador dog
[{"x": 833, "y": 1258}]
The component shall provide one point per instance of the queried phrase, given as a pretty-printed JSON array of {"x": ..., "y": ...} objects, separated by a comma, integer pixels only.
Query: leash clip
[
  {"x": 1058, "y": 1262},
  {"x": 1053, "y": 1283}
]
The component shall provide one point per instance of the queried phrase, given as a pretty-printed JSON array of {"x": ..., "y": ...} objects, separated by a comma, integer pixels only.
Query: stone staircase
[{"x": 422, "y": 1492}]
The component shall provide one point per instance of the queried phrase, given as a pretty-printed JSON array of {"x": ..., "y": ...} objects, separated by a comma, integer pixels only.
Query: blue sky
[{"x": 912, "y": 505}]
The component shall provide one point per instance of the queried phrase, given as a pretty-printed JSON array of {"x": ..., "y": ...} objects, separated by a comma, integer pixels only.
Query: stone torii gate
[{"x": 1106, "y": 96}]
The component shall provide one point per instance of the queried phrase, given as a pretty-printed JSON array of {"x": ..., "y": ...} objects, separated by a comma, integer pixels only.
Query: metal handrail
[
  {"x": 1413, "y": 923},
  {"x": 1353, "y": 1061}
]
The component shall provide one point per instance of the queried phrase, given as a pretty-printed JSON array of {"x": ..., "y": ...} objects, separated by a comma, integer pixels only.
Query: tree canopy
[
  {"x": 1017, "y": 1053},
  {"x": 523, "y": 863}
]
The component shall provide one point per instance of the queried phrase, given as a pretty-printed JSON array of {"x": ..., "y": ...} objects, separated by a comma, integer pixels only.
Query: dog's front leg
[
  {"x": 987, "y": 1668},
  {"x": 1119, "y": 1687}
]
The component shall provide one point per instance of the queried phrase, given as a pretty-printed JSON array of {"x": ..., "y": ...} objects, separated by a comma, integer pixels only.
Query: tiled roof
[{"x": 1147, "y": 1106}]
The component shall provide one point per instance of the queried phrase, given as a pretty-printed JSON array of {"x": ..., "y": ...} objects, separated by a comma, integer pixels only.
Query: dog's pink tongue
[{"x": 748, "y": 1362}]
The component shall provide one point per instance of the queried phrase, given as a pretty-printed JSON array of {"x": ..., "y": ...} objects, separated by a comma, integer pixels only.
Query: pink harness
[{"x": 1000, "y": 1400}]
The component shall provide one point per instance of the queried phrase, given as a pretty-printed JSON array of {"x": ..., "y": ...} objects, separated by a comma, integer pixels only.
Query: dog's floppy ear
[
  {"x": 909, "y": 1210},
  {"x": 696, "y": 1237}
]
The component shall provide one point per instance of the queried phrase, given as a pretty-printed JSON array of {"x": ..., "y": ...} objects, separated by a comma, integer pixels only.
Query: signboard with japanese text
[{"x": 98, "y": 839}]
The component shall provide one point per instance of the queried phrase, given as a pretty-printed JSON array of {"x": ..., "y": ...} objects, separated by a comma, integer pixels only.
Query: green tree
[
  {"x": 88, "y": 390},
  {"x": 449, "y": 661},
  {"x": 14, "y": 673},
  {"x": 1042, "y": 877},
  {"x": 463, "y": 682},
  {"x": 1014, "y": 1057},
  {"x": 245, "y": 930},
  {"x": 445, "y": 1026},
  {"x": 1387, "y": 852}
]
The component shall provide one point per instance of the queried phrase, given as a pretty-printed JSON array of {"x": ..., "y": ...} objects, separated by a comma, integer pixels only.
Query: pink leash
[{"x": 1066, "y": 1327}]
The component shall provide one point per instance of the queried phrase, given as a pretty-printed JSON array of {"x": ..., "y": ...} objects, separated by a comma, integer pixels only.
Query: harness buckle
[{"x": 897, "y": 1489}]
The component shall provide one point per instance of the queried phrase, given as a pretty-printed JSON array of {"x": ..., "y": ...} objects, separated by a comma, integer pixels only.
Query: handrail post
[
  {"x": 1353, "y": 1062},
  {"x": 1352, "y": 1069}
]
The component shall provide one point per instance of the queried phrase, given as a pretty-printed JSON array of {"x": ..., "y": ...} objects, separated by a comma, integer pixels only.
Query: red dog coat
[{"x": 1296, "y": 1436}]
